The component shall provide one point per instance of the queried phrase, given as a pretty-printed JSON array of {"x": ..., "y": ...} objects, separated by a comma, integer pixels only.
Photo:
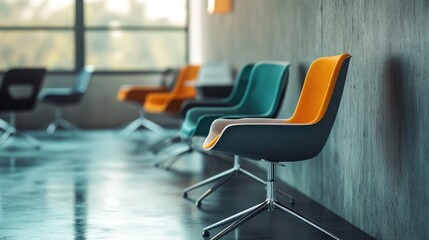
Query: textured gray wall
[{"x": 374, "y": 170}]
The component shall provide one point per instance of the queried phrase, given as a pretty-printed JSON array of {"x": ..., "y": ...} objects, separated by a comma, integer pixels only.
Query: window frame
[{"x": 79, "y": 29}]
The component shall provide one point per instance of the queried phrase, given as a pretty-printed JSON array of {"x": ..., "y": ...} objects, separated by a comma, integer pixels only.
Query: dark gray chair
[
  {"x": 61, "y": 97},
  {"x": 24, "y": 78},
  {"x": 298, "y": 138}
]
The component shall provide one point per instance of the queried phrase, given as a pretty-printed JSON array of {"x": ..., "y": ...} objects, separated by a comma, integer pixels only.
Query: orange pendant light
[{"x": 219, "y": 6}]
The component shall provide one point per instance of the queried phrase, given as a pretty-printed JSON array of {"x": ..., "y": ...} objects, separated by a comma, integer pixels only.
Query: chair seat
[
  {"x": 59, "y": 96},
  {"x": 198, "y": 120},
  {"x": 281, "y": 141},
  {"x": 171, "y": 102},
  {"x": 165, "y": 102},
  {"x": 137, "y": 93},
  {"x": 262, "y": 98}
]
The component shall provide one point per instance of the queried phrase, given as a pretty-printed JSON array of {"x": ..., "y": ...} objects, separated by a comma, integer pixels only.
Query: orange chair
[
  {"x": 137, "y": 94},
  {"x": 171, "y": 102},
  {"x": 298, "y": 138}
]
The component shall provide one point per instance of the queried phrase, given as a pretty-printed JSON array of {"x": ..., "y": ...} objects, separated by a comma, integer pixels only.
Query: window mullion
[{"x": 79, "y": 36}]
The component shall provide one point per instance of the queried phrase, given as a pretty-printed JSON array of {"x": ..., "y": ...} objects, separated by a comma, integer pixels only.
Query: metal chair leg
[
  {"x": 269, "y": 204},
  {"x": 4, "y": 125},
  {"x": 31, "y": 140},
  {"x": 252, "y": 176},
  {"x": 131, "y": 127},
  {"x": 278, "y": 205},
  {"x": 141, "y": 121},
  {"x": 11, "y": 131},
  {"x": 51, "y": 127},
  {"x": 255, "y": 212},
  {"x": 67, "y": 125},
  {"x": 156, "y": 128},
  {"x": 235, "y": 170},
  {"x": 172, "y": 155},
  {"x": 171, "y": 161},
  {"x": 164, "y": 142},
  {"x": 207, "y": 181},
  {"x": 6, "y": 135},
  {"x": 232, "y": 218},
  {"x": 214, "y": 188}
]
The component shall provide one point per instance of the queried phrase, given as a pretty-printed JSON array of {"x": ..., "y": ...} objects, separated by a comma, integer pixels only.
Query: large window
[{"x": 111, "y": 35}]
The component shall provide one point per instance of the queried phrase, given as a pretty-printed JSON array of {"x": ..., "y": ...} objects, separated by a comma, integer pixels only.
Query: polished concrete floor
[{"x": 100, "y": 185}]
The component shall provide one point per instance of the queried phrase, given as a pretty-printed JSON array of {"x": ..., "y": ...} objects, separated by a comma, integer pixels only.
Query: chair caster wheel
[
  {"x": 197, "y": 204},
  {"x": 185, "y": 195},
  {"x": 292, "y": 201},
  {"x": 206, "y": 233}
]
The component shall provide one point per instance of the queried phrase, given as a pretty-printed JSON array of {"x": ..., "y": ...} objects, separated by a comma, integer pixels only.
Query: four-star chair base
[
  {"x": 224, "y": 177},
  {"x": 270, "y": 204},
  {"x": 60, "y": 123},
  {"x": 11, "y": 131},
  {"x": 142, "y": 121}
]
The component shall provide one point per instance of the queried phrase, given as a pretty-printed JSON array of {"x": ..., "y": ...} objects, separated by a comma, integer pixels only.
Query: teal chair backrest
[
  {"x": 266, "y": 89},
  {"x": 240, "y": 86},
  {"x": 82, "y": 80}
]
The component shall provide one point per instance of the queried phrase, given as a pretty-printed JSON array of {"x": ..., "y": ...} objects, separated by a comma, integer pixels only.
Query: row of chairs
[
  {"x": 245, "y": 125},
  {"x": 207, "y": 83},
  {"x": 20, "y": 91},
  {"x": 169, "y": 101}
]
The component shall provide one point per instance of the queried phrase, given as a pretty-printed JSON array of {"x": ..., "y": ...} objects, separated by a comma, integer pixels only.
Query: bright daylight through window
[{"x": 117, "y": 35}]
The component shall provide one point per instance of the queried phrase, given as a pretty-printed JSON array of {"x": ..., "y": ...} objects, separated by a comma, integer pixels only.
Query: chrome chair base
[
  {"x": 270, "y": 204},
  {"x": 142, "y": 121},
  {"x": 223, "y": 178},
  {"x": 169, "y": 159},
  {"x": 60, "y": 123},
  {"x": 11, "y": 131},
  {"x": 164, "y": 142}
]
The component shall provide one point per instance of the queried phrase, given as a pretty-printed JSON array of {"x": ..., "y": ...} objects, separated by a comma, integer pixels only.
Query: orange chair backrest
[
  {"x": 317, "y": 90},
  {"x": 183, "y": 86}
]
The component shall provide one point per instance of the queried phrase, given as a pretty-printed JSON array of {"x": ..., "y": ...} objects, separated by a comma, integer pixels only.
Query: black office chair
[
  {"x": 60, "y": 97},
  {"x": 12, "y": 101}
]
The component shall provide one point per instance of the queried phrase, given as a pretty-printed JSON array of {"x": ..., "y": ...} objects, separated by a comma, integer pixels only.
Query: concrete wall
[{"x": 374, "y": 169}]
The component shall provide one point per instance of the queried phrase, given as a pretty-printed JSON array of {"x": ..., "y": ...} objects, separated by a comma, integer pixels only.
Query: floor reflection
[
  {"x": 80, "y": 205},
  {"x": 100, "y": 187}
]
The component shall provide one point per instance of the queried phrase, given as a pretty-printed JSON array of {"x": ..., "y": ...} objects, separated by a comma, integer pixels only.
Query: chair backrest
[
  {"x": 215, "y": 74},
  {"x": 184, "y": 83},
  {"x": 82, "y": 80},
  {"x": 318, "y": 89},
  {"x": 266, "y": 88},
  {"x": 240, "y": 85},
  {"x": 20, "y": 77},
  {"x": 169, "y": 77}
]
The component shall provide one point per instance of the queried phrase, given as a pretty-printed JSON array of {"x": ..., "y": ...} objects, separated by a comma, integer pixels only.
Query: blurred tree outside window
[{"x": 120, "y": 35}]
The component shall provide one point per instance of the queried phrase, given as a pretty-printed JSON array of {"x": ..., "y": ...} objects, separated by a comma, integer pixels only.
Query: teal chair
[
  {"x": 262, "y": 99},
  {"x": 298, "y": 138},
  {"x": 233, "y": 99}
]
